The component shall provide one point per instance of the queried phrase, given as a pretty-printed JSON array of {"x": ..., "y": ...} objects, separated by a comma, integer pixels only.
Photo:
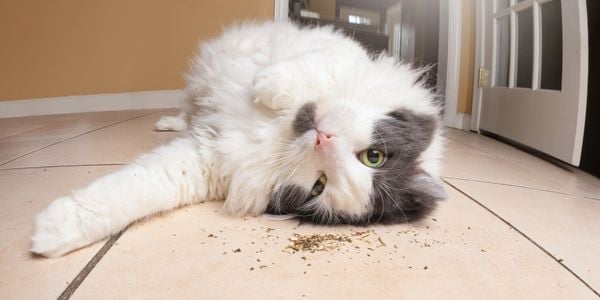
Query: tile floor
[{"x": 514, "y": 227}]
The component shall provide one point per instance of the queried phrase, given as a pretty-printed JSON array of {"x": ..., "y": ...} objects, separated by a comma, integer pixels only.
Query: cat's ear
[
  {"x": 407, "y": 133},
  {"x": 426, "y": 186}
]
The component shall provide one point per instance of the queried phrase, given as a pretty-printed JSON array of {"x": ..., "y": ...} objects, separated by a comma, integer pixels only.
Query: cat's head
[{"x": 353, "y": 164}]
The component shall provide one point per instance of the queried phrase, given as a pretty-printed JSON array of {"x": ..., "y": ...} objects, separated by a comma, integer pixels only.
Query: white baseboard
[
  {"x": 463, "y": 121},
  {"x": 458, "y": 121},
  {"x": 91, "y": 103}
]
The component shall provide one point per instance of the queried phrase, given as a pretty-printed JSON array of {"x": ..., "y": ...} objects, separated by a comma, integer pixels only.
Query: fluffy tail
[{"x": 168, "y": 177}]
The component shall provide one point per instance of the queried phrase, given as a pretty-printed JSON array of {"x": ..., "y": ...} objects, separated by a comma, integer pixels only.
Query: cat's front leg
[
  {"x": 59, "y": 228},
  {"x": 289, "y": 84},
  {"x": 271, "y": 90},
  {"x": 170, "y": 176}
]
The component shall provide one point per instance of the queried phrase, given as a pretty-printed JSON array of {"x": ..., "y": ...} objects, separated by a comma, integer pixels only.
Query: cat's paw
[
  {"x": 269, "y": 92},
  {"x": 275, "y": 102},
  {"x": 168, "y": 123},
  {"x": 58, "y": 229}
]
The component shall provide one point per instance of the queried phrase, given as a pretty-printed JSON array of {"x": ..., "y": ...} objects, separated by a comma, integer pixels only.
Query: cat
[{"x": 282, "y": 120}]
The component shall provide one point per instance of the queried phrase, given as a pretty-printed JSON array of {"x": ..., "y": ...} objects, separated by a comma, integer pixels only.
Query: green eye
[
  {"x": 319, "y": 186},
  {"x": 371, "y": 158}
]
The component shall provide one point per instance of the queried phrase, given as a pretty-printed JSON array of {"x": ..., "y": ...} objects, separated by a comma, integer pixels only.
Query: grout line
[
  {"x": 63, "y": 166},
  {"x": 526, "y": 237},
  {"x": 72, "y": 287},
  {"x": 573, "y": 195},
  {"x": 516, "y": 162},
  {"x": 468, "y": 145},
  {"x": 508, "y": 184},
  {"x": 78, "y": 135},
  {"x": 508, "y": 159},
  {"x": 482, "y": 150}
]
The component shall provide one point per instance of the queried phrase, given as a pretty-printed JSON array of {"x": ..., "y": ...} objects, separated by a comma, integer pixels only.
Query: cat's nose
[{"x": 323, "y": 140}]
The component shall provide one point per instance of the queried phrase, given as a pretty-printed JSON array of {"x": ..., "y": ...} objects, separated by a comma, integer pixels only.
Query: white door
[{"x": 537, "y": 53}]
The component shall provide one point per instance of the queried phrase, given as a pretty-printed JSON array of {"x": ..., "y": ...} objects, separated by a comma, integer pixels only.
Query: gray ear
[{"x": 427, "y": 185}]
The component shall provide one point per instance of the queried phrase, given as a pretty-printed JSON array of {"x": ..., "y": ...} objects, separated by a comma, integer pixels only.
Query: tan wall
[
  {"x": 73, "y": 47},
  {"x": 467, "y": 57}
]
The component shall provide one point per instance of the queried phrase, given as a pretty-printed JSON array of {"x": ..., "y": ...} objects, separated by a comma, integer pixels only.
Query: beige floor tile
[
  {"x": 24, "y": 194},
  {"x": 566, "y": 226},
  {"x": 20, "y": 125},
  {"x": 465, "y": 162},
  {"x": 460, "y": 252},
  {"x": 572, "y": 180},
  {"x": 484, "y": 143},
  {"x": 492, "y": 146},
  {"x": 454, "y": 146},
  {"x": 119, "y": 143},
  {"x": 20, "y": 136}
]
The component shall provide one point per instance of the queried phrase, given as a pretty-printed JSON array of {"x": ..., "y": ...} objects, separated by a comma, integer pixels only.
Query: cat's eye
[
  {"x": 371, "y": 158},
  {"x": 319, "y": 186}
]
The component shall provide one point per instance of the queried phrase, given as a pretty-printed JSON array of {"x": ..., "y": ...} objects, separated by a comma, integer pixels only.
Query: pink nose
[{"x": 323, "y": 140}]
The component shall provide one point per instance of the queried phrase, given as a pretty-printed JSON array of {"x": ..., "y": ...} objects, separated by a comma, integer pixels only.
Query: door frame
[
  {"x": 583, "y": 83},
  {"x": 479, "y": 63},
  {"x": 280, "y": 10},
  {"x": 449, "y": 59}
]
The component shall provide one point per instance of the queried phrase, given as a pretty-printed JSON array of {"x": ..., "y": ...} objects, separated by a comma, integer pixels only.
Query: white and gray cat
[{"x": 281, "y": 120}]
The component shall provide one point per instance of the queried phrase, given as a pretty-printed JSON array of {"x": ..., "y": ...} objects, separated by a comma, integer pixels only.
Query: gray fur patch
[
  {"x": 287, "y": 199},
  {"x": 305, "y": 119},
  {"x": 402, "y": 191}
]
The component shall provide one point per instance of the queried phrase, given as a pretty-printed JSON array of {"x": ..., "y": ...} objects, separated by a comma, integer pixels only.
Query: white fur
[
  {"x": 246, "y": 87},
  {"x": 168, "y": 123}
]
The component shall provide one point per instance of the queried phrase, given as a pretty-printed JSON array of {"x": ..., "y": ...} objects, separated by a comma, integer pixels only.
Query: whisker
[{"x": 383, "y": 186}]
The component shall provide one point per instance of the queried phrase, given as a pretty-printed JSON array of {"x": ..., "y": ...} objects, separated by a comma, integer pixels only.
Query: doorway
[{"x": 405, "y": 29}]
